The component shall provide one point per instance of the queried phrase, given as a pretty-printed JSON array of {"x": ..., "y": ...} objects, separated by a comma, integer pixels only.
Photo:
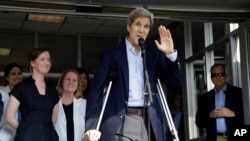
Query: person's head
[
  {"x": 39, "y": 60},
  {"x": 13, "y": 73},
  {"x": 84, "y": 80},
  {"x": 218, "y": 75},
  {"x": 139, "y": 22},
  {"x": 178, "y": 101},
  {"x": 69, "y": 83}
]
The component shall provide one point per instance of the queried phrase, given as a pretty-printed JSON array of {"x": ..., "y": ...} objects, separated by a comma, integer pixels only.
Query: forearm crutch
[
  {"x": 104, "y": 105},
  {"x": 167, "y": 112}
]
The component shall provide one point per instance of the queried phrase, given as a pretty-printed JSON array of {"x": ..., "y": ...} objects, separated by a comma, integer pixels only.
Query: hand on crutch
[{"x": 92, "y": 135}]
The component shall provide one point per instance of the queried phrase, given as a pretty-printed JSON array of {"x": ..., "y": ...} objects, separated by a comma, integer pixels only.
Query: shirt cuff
[{"x": 173, "y": 56}]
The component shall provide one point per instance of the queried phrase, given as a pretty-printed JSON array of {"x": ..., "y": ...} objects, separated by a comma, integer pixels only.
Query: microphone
[{"x": 142, "y": 45}]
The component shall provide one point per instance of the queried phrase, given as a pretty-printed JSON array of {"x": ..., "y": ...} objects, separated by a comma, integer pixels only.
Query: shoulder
[
  {"x": 81, "y": 103},
  {"x": 234, "y": 92},
  {"x": 206, "y": 95},
  {"x": 2, "y": 87},
  {"x": 231, "y": 87},
  {"x": 2, "y": 93},
  {"x": 110, "y": 55},
  {"x": 80, "y": 100},
  {"x": 25, "y": 83},
  {"x": 29, "y": 80},
  {"x": 5, "y": 88},
  {"x": 19, "y": 86},
  {"x": 117, "y": 47}
]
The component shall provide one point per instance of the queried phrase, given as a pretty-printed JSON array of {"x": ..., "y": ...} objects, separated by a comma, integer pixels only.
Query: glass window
[
  {"x": 55, "y": 44},
  {"x": 218, "y": 31},
  {"x": 198, "y": 37},
  {"x": 92, "y": 47},
  {"x": 20, "y": 44}
]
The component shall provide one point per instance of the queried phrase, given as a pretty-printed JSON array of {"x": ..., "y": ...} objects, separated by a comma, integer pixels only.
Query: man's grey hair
[{"x": 140, "y": 12}]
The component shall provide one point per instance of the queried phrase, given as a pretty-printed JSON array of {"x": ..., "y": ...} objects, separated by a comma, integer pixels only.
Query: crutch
[
  {"x": 167, "y": 112},
  {"x": 104, "y": 105}
]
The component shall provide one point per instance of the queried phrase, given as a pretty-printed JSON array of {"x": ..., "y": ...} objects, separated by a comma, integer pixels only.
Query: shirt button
[
  {"x": 120, "y": 117},
  {"x": 126, "y": 102}
]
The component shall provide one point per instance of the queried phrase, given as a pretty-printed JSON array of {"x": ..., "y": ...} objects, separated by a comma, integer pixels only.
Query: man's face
[
  {"x": 138, "y": 29},
  {"x": 218, "y": 77}
]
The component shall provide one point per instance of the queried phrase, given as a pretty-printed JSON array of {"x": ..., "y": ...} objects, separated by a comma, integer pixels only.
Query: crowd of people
[{"x": 34, "y": 110}]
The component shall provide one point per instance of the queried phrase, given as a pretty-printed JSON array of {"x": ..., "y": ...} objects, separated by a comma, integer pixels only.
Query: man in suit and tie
[
  {"x": 220, "y": 109},
  {"x": 126, "y": 107}
]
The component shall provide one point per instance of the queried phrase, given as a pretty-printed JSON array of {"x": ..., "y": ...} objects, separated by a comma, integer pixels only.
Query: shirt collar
[
  {"x": 223, "y": 89},
  {"x": 129, "y": 47}
]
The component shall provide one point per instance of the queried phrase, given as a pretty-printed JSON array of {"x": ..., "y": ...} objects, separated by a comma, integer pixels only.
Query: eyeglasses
[{"x": 218, "y": 74}]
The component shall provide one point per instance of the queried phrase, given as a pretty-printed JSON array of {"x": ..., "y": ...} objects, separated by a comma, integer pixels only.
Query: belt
[
  {"x": 136, "y": 111},
  {"x": 222, "y": 134}
]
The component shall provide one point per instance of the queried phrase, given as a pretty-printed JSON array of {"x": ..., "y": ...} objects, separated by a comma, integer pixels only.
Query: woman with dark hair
[
  {"x": 36, "y": 100},
  {"x": 13, "y": 74},
  {"x": 84, "y": 81}
]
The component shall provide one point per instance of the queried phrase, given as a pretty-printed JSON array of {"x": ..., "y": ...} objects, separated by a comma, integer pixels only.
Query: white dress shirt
[{"x": 136, "y": 75}]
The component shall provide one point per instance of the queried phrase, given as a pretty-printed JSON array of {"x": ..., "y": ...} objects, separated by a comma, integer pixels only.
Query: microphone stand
[{"x": 148, "y": 91}]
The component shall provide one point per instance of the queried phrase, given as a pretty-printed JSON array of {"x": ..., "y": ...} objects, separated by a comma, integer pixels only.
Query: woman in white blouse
[
  {"x": 69, "y": 113},
  {"x": 13, "y": 74}
]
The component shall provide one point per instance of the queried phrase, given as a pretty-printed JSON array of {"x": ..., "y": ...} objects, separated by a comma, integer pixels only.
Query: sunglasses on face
[{"x": 218, "y": 74}]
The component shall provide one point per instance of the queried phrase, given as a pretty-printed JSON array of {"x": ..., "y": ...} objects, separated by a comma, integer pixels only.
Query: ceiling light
[
  {"x": 88, "y": 8},
  {"x": 46, "y": 18},
  {"x": 5, "y": 51}
]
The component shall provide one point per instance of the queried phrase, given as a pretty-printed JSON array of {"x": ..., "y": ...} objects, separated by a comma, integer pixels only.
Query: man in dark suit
[
  {"x": 220, "y": 109},
  {"x": 126, "y": 108}
]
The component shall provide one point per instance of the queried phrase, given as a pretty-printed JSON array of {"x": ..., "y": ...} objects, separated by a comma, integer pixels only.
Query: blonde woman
[{"x": 70, "y": 118}]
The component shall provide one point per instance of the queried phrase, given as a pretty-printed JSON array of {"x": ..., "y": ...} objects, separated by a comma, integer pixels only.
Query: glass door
[{"x": 244, "y": 36}]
